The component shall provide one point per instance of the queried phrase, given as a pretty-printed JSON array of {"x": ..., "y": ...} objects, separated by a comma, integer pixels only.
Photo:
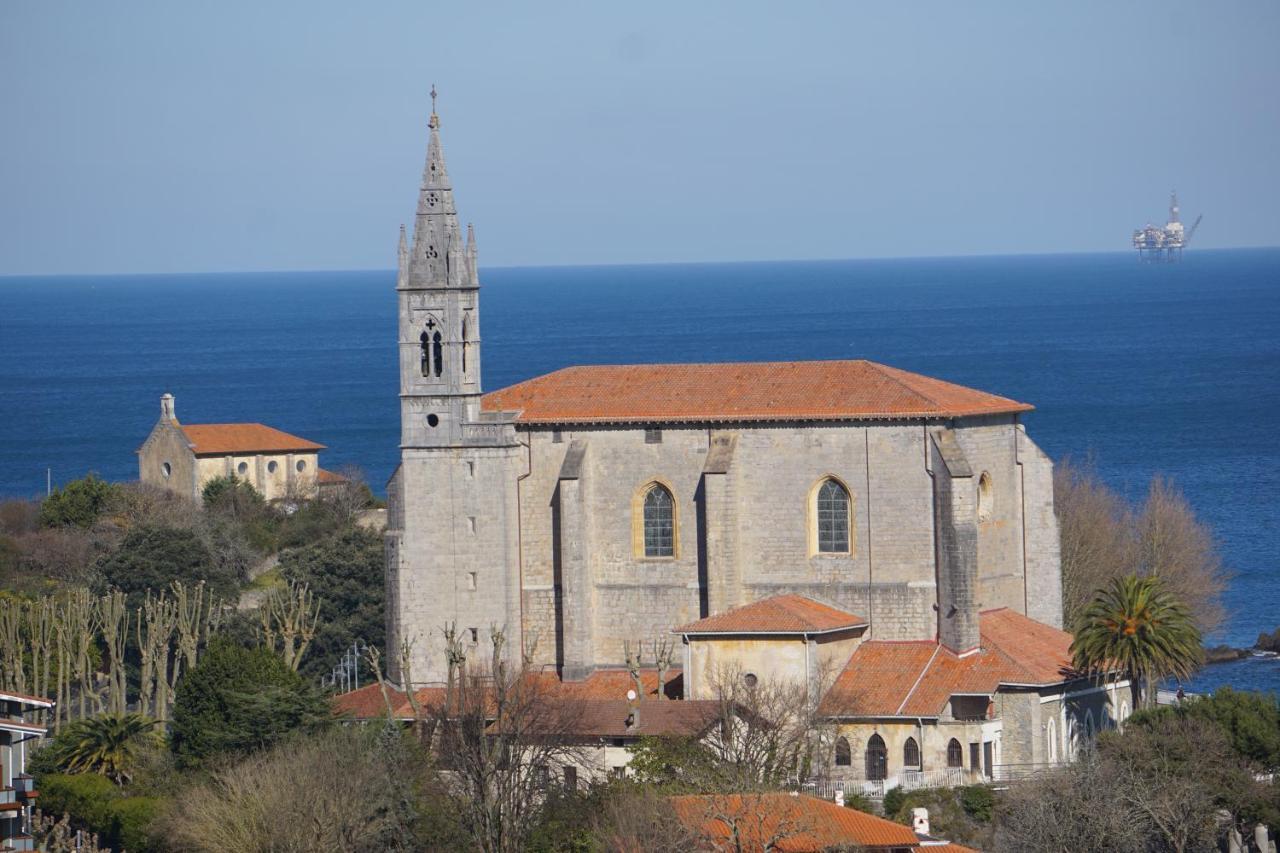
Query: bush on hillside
[
  {"x": 239, "y": 700},
  {"x": 154, "y": 557},
  {"x": 1249, "y": 720},
  {"x": 345, "y": 573},
  {"x": 96, "y": 805},
  {"x": 79, "y": 503}
]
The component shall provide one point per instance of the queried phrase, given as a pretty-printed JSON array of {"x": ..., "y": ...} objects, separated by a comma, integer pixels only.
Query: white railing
[{"x": 910, "y": 780}]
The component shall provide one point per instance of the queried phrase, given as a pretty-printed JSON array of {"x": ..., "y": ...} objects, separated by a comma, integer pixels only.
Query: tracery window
[
  {"x": 437, "y": 352},
  {"x": 844, "y": 756},
  {"x": 911, "y": 753},
  {"x": 659, "y": 522},
  {"x": 877, "y": 759},
  {"x": 832, "y": 518},
  {"x": 955, "y": 753}
]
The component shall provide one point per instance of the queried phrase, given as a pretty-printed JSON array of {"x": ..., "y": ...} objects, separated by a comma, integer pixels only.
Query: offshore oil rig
[{"x": 1164, "y": 245}]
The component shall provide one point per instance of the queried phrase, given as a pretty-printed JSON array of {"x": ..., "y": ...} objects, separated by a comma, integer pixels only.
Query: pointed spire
[{"x": 436, "y": 227}]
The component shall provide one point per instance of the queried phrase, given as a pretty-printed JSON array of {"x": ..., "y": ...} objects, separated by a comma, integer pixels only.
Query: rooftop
[
  {"x": 800, "y": 824},
  {"x": 917, "y": 678},
  {"x": 764, "y": 391},
  {"x": 778, "y": 614},
  {"x": 219, "y": 439}
]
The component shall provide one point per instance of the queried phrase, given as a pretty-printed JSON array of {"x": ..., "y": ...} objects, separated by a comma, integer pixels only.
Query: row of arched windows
[
  {"x": 831, "y": 519},
  {"x": 876, "y": 756}
]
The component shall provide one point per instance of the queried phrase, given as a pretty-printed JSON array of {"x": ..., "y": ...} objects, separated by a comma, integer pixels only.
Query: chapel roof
[
  {"x": 777, "y": 614},
  {"x": 218, "y": 439},
  {"x": 762, "y": 391},
  {"x": 917, "y": 678}
]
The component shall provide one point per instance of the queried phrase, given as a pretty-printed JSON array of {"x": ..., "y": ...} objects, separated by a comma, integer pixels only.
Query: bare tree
[
  {"x": 1103, "y": 538},
  {"x": 662, "y": 656},
  {"x": 290, "y": 615},
  {"x": 500, "y": 734}
]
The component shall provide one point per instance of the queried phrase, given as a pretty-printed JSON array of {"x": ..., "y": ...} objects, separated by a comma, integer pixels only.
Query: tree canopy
[
  {"x": 239, "y": 700},
  {"x": 154, "y": 557},
  {"x": 78, "y": 503}
]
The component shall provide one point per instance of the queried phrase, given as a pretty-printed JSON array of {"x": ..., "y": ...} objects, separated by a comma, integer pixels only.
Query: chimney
[
  {"x": 920, "y": 821},
  {"x": 166, "y": 409}
]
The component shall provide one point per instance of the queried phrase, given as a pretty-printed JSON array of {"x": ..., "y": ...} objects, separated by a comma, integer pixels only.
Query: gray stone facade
[{"x": 535, "y": 528}]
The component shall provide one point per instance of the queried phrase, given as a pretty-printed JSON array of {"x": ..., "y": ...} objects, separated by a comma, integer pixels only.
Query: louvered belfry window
[
  {"x": 833, "y": 518},
  {"x": 659, "y": 523}
]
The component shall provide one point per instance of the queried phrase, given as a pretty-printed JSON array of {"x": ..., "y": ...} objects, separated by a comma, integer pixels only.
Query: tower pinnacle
[{"x": 434, "y": 121}]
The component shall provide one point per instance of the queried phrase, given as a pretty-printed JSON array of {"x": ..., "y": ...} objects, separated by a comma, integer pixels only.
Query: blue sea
[{"x": 1170, "y": 370}]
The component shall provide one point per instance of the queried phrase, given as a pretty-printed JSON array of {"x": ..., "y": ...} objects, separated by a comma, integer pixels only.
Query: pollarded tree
[{"x": 1134, "y": 625}]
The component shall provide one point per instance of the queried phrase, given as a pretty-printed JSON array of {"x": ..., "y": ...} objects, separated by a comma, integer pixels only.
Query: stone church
[{"x": 603, "y": 504}]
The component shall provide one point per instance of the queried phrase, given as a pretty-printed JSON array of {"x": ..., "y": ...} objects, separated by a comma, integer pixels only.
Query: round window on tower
[{"x": 433, "y": 421}]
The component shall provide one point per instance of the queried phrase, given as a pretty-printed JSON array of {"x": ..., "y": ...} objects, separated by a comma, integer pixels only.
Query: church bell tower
[{"x": 452, "y": 540}]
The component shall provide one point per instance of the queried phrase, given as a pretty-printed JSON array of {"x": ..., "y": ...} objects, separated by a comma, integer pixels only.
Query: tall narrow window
[
  {"x": 955, "y": 753},
  {"x": 877, "y": 759},
  {"x": 833, "y": 518},
  {"x": 425, "y": 340},
  {"x": 464, "y": 346},
  {"x": 844, "y": 756},
  {"x": 659, "y": 523},
  {"x": 911, "y": 754},
  {"x": 437, "y": 352}
]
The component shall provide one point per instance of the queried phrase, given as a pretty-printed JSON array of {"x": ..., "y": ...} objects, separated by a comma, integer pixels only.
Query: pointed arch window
[
  {"x": 464, "y": 346},
  {"x": 659, "y": 522},
  {"x": 877, "y": 759},
  {"x": 955, "y": 753},
  {"x": 911, "y": 754},
  {"x": 831, "y": 518},
  {"x": 437, "y": 353},
  {"x": 425, "y": 341},
  {"x": 844, "y": 756},
  {"x": 986, "y": 497}
]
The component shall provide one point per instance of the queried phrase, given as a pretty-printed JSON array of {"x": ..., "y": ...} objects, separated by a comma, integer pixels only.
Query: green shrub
[
  {"x": 894, "y": 799},
  {"x": 153, "y": 557},
  {"x": 239, "y": 700},
  {"x": 78, "y": 503},
  {"x": 978, "y": 802},
  {"x": 97, "y": 805},
  {"x": 1250, "y": 721},
  {"x": 858, "y": 802}
]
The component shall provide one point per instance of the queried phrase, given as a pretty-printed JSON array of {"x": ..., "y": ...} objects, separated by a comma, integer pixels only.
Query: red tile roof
[
  {"x": 917, "y": 679},
  {"x": 786, "y": 390},
  {"x": 605, "y": 684},
  {"x": 218, "y": 439},
  {"x": 328, "y": 477},
  {"x": 778, "y": 614},
  {"x": 607, "y": 718},
  {"x": 802, "y": 824}
]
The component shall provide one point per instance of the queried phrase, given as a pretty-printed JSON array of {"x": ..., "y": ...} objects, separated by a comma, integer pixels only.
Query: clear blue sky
[{"x": 163, "y": 136}]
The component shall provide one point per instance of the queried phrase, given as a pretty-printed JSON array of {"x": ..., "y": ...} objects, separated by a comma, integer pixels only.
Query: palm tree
[
  {"x": 109, "y": 744},
  {"x": 1134, "y": 625}
]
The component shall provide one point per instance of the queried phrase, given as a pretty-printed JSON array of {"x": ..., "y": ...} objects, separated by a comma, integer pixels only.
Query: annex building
[
  {"x": 600, "y": 506},
  {"x": 183, "y": 458}
]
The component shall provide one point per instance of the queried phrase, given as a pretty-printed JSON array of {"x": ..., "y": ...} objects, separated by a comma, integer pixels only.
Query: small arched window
[
  {"x": 425, "y": 364},
  {"x": 844, "y": 756},
  {"x": 437, "y": 352},
  {"x": 911, "y": 754},
  {"x": 832, "y": 518},
  {"x": 1051, "y": 741},
  {"x": 877, "y": 759},
  {"x": 659, "y": 522},
  {"x": 955, "y": 754},
  {"x": 985, "y": 497}
]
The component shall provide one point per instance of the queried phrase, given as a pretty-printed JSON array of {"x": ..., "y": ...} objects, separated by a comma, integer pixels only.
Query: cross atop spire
[{"x": 435, "y": 119}]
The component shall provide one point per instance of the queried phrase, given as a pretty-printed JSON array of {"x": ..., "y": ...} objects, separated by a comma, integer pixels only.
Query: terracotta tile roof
[
  {"x": 607, "y": 718},
  {"x": 786, "y": 390},
  {"x": 805, "y": 824},
  {"x": 1044, "y": 652},
  {"x": 215, "y": 439},
  {"x": 328, "y": 477},
  {"x": 778, "y": 614},
  {"x": 916, "y": 679},
  {"x": 949, "y": 847},
  {"x": 606, "y": 684}
]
